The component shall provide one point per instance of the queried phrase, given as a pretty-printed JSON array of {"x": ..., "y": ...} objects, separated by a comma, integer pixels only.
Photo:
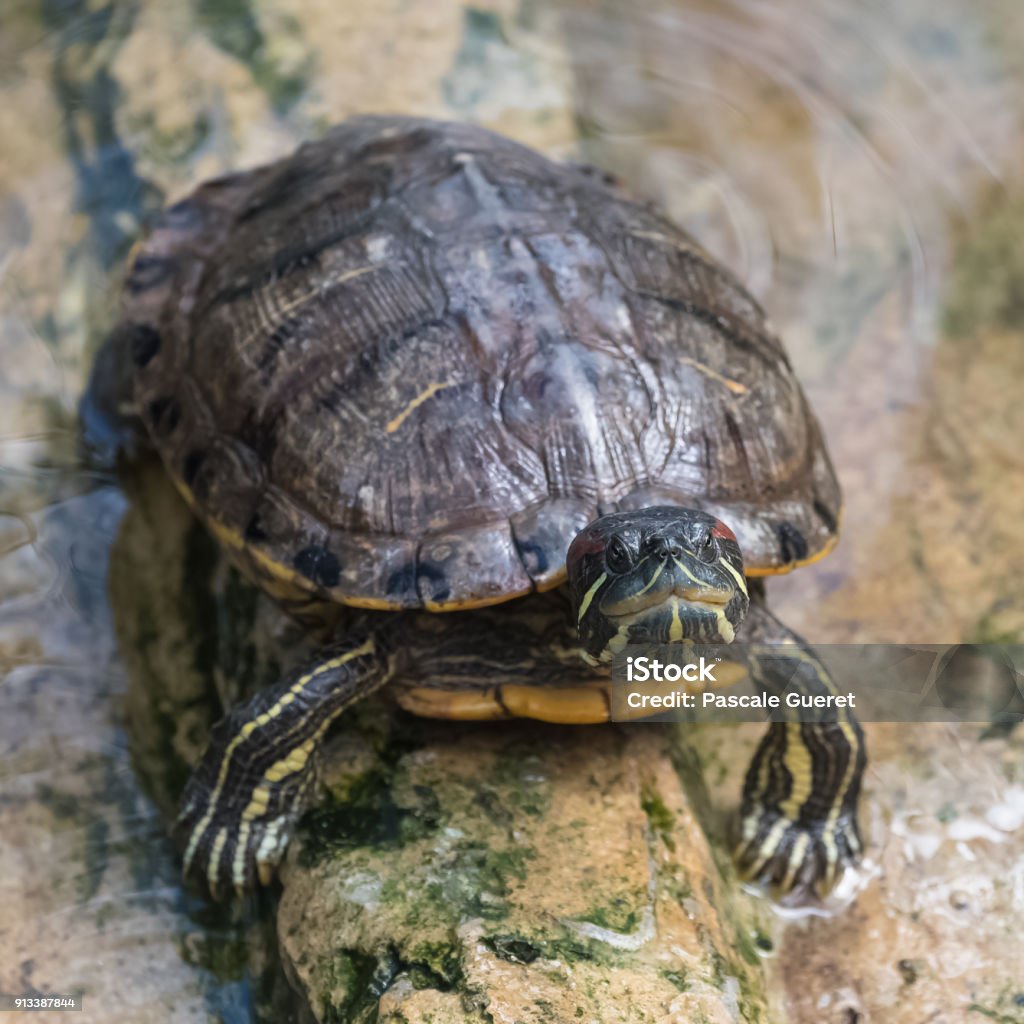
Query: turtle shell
[{"x": 405, "y": 365}]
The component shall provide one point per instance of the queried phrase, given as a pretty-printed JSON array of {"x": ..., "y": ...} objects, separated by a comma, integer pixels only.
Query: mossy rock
[{"x": 536, "y": 873}]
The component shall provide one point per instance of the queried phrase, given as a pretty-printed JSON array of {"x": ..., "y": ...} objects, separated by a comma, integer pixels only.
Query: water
[{"x": 858, "y": 165}]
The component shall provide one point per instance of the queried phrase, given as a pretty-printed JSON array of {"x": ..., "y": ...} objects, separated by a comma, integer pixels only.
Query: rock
[{"x": 538, "y": 873}]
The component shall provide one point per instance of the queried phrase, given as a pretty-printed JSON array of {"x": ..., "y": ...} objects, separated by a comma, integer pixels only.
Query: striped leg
[
  {"x": 259, "y": 769},
  {"x": 799, "y": 811}
]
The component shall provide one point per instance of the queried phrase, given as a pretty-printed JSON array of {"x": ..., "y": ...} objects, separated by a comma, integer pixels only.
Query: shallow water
[{"x": 858, "y": 165}]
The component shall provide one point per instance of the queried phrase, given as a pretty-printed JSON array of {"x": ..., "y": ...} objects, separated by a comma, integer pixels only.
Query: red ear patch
[{"x": 722, "y": 531}]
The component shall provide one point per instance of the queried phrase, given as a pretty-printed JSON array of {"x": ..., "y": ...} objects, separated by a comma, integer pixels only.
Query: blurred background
[{"x": 857, "y": 163}]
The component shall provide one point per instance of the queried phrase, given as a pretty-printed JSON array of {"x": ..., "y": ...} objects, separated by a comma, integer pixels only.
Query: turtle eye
[
  {"x": 617, "y": 556},
  {"x": 706, "y": 548}
]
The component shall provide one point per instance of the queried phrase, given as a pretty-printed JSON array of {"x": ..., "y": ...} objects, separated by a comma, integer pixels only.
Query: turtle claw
[
  {"x": 797, "y": 860},
  {"x": 234, "y": 831},
  {"x": 225, "y": 850},
  {"x": 266, "y": 871}
]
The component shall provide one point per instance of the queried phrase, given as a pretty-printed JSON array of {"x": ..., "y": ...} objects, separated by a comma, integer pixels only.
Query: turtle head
[{"x": 659, "y": 575}]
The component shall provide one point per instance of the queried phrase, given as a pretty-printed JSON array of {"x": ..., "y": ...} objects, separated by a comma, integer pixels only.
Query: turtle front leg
[
  {"x": 798, "y": 822},
  {"x": 255, "y": 779}
]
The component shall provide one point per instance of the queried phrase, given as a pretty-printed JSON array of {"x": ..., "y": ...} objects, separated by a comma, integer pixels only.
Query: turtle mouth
[
  {"x": 681, "y": 615},
  {"x": 699, "y": 597}
]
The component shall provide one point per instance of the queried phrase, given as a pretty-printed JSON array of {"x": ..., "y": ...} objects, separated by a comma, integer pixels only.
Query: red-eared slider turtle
[{"x": 416, "y": 368}]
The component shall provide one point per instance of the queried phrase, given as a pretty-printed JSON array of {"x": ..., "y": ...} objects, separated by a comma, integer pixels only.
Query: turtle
[{"x": 483, "y": 420}]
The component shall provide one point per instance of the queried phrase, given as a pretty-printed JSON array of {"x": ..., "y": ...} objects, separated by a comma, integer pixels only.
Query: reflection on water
[{"x": 856, "y": 163}]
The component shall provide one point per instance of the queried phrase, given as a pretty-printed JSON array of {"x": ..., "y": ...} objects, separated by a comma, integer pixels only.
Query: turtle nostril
[{"x": 665, "y": 547}]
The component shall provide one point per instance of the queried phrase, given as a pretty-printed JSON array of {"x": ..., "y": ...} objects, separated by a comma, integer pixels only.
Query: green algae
[
  {"x": 559, "y": 943},
  {"x": 513, "y": 948},
  {"x": 368, "y": 816},
  {"x": 363, "y": 978},
  {"x": 662, "y": 820},
  {"x": 618, "y": 915},
  {"x": 1001, "y": 1018},
  {"x": 677, "y": 978}
]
